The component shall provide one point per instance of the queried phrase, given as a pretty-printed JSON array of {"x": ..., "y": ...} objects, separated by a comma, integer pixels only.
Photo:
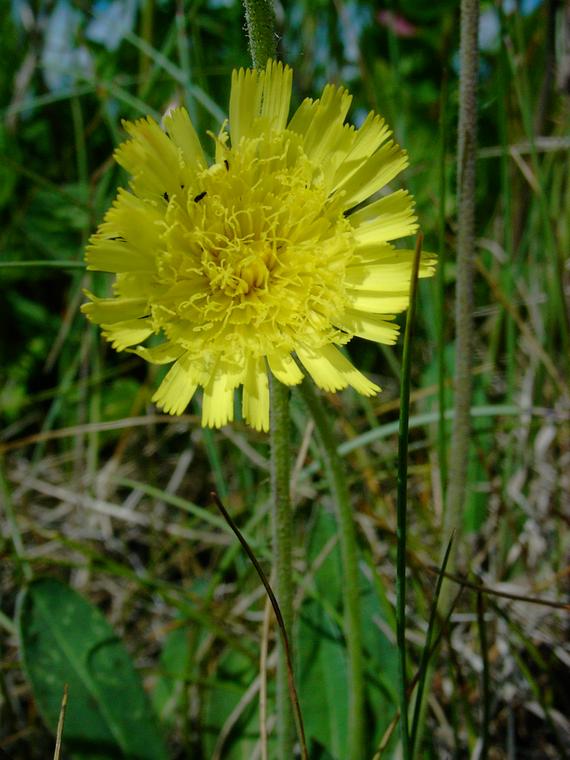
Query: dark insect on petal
[{"x": 199, "y": 197}]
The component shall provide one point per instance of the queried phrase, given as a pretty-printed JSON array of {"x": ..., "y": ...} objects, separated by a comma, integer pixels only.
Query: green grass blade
[
  {"x": 427, "y": 650},
  {"x": 402, "y": 501}
]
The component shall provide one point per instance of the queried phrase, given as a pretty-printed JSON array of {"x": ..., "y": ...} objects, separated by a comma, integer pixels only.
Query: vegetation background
[{"x": 102, "y": 495}]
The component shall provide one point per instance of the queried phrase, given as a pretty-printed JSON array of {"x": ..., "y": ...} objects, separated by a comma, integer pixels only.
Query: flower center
[
  {"x": 257, "y": 257},
  {"x": 237, "y": 265}
]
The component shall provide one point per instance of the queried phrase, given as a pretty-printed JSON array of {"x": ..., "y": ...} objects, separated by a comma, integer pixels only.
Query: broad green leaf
[
  {"x": 322, "y": 659},
  {"x": 168, "y": 693},
  {"x": 66, "y": 640},
  {"x": 322, "y": 667},
  {"x": 381, "y": 657},
  {"x": 323, "y": 679},
  {"x": 178, "y": 666},
  {"x": 234, "y": 675}
]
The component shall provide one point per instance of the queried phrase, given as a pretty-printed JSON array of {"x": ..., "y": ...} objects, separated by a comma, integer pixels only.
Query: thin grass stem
[
  {"x": 427, "y": 651},
  {"x": 41, "y": 264},
  {"x": 485, "y": 683},
  {"x": 147, "y": 18},
  {"x": 557, "y": 274},
  {"x": 282, "y": 549},
  {"x": 440, "y": 294},
  {"x": 61, "y": 723},
  {"x": 402, "y": 500}
]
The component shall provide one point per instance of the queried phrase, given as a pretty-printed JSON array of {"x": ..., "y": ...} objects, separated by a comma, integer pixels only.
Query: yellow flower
[{"x": 241, "y": 265}]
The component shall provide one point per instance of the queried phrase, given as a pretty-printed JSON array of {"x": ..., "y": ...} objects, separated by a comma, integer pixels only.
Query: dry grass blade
[
  {"x": 480, "y": 588},
  {"x": 60, "y": 723},
  {"x": 282, "y": 630},
  {"x": 98, "y": 427},
  {"x": 534, "y": 343}
]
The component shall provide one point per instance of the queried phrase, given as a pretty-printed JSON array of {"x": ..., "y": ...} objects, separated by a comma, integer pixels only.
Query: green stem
[
  {"x": 440, "y": 293},
  {"x": 41, "y": 263},
  {"x": 509, "y": 279},
  {"x": 282, "y": 531},
  {"x": 349, "y": 553},
  {"x": 486, "y": 690},
  {"x": 147, "y": 17},
  {"x": 402, "y": 499},
  {"x": 260, "y": 20},
  {"x": 466, "y": 155}
]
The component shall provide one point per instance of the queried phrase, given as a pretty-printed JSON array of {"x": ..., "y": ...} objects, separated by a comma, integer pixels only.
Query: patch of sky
[
  {"x": 111, "y": 22},
  {"x": 65, "y": 61},
  {"x": 526, "y": 7},
  {"x": 215, "y": 4},
  {"x": 351, "y": 23}
]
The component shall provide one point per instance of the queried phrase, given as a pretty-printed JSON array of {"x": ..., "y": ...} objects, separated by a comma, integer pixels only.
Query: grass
[{"x": 103, "y": 493}]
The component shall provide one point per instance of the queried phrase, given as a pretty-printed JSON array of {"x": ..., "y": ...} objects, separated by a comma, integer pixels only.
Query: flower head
[{"x": 241, "y": 265}]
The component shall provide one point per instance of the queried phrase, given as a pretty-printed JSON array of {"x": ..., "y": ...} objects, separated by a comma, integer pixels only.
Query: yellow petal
[
  {"x": 385, "y": 268},
  {"x": 258, "y": 94},
  {"x": 176, "y": 390},
  {"x": 134, "y": 284},
  {"x": 151, "y": 157},
  {"x": 283, "y": 367},
  {"x": 370, "y": 326},
  {"x": 323, "y": 129},
  {"x": 332, "y": 371},
  {"x": 303, "y": 116},
  {"x": 277, "y": 94},
  {"x": 255, "y": 399},
  {"x": 245, "y": 102},
  {"x": 121, "y": 335},
  {"x": 127, "y": 239},
  {"x": 377, "y": 301},
  {"x": 163, "y": 354},
  {"x": 218, "y": 401},
  {"x": 365, "y": 141},
  {"x": 182, "y": 133},
  {"x": 105, "y": 255},
  {"x": 388, "y": 218},
  {"x": 111, "y": 310},
  {"x": 378, "y": 276},
  {"x": 388, "y": 161}
]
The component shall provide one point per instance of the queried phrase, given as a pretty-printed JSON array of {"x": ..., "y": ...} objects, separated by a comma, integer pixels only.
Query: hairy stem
[
  {"x": 466, "y": 148},
  {"x": 260, "y": 20}
]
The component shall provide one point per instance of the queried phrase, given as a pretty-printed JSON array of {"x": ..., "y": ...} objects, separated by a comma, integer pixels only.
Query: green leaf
[
  {"x": 323, "y": 679},
  {"x": 178, "y": 666},
  {"x": 66, "y": 640},
  {"x": 234, "y": 674},
  {"x": 323, "y": 675},
  {"x": 322, "y": 658},
  {"x": 168, "y": 692}
]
